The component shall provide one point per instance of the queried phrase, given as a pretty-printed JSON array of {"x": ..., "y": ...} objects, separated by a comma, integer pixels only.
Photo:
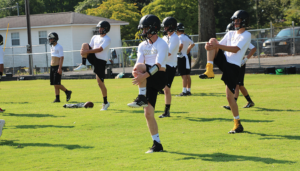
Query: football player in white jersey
[
  {"x": 240, "y": 86},
  {"x": 184, "y": 68},
  {"x": 149, "y": 73},
  {"x": 169, "y": 25},
  {"x": 228, "y": 55},
  {"x": 97, "y": 53},
  {"x": 57, "y": 59},
  {"x": 1, "y": 63}
]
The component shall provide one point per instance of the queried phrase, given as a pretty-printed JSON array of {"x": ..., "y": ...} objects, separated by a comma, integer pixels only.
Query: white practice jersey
[
  {"x": 251, "y": 46},
  {"x": 240, "y": 40},
  {"x": 104, "y": 42},
  {"x": 173, "y": 44},
  {"x": 151, "y": 54},
  {"x": 1, "y": 55},
  {"x": 57, "y": 51},
  {"x": 186, "y": 41}
]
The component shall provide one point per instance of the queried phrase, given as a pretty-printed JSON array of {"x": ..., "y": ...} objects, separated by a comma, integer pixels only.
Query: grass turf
[{"x": 40, "y": 135}]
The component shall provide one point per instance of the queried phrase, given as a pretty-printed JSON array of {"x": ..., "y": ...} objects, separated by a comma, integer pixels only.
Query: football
[{"x": 89, "y": 105}]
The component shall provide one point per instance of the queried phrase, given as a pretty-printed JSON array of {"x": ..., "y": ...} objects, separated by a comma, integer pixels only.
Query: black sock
[
  {"x": 167, "y": 108},
  {"x": 105, "y": 100},
  {"x": 84, "y": 61},
  {"x": 248, "y": 98},
  {"x": 57, "y": 97},
  {"x": 235, "y": 99}
]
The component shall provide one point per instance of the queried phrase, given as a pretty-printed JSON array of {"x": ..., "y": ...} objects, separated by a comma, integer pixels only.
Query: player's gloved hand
[
  {"x": 179, "y": 55},
  {"x": 244, "y": 61}
]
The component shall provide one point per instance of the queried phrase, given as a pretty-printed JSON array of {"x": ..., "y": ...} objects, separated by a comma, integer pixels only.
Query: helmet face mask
[
  {"x": 168, "y": 25},
  {"x": 149, "y": 25},
  {"x": 244, "y": 16},
  {"x": 230, "y": 27},
  {"x": 104, "y": 27},
  {"x": 52, "y": 38}
]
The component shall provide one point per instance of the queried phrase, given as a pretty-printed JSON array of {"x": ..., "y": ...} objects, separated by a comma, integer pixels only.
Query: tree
[
  {"x": 81, "y": 7},
  {"x": 185, "y": 11},
  {"x": 139, "y": 3},
  {"x": 119, "y": 10},
  {"x": 206, "y": 25}
]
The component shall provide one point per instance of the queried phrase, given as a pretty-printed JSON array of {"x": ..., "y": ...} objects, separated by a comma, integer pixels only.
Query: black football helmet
[
  {"x": 229, "y": 27},
  {"x": 53, "y": 36},
  {"x": 180, "y": 27},
  {"x": 241, "y": 14},
  {"x": 1, "y": 40},
  {"x": 169, "y": 22},
  {"x": 149, "y": 21},
  {"x": 105, "y": 25}
]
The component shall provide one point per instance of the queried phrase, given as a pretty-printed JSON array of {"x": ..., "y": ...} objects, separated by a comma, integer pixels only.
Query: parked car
[{"x": 283, "y": 42}]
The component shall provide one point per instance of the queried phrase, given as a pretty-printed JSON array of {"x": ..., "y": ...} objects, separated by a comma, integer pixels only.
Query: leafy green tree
[
  {"x": 119, "y": 10},
  {"x": 81, "y": 7},
  {"x": 139, "y": 3},
  {"x": 293, "y": 13},
  {"x": 185, "y": 11}
]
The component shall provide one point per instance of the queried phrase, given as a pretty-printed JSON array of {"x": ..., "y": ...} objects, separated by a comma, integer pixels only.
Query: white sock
[
  {"x": 188, "y": 89},
  {"x": 237, "y": 117},
  {"x": 212, "y": 62},
  {"x": 156, "y": 138},
  {"x": 184, "y": 89},
  {"x": 142, "y": 91}
]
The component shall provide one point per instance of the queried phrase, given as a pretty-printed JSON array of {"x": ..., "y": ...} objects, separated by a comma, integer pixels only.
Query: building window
[
  {"x": 42, "y": 37},
  {"x": 15, "y": 39}
]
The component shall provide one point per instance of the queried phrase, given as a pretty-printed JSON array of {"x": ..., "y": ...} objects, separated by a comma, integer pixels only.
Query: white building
[{"x": 72, "y": 28}]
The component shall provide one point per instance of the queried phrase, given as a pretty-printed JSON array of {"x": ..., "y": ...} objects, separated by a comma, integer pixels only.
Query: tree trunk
[{"x": 206, "y": 30}]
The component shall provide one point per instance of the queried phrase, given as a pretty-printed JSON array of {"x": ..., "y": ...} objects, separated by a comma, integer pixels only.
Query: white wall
[{"x": 70, "y": 37}]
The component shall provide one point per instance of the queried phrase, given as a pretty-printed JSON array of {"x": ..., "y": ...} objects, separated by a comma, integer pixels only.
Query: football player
[
  {"x": 150, "y": 73},
  {"x": 57, "y": 59},
  {"x": 184, "y": 66},
  {"x": 240, "y": 86},
  {"x": 97, "y": 54},
  {"x": 169, "y": 25},
  {"x": 228, "y": 55}
]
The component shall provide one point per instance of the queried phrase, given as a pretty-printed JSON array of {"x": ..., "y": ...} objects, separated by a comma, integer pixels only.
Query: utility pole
[
  {"x": 29, "y": 46},
  {"x": 18, "y": 8},
  {"x": 257, "y": 19}
]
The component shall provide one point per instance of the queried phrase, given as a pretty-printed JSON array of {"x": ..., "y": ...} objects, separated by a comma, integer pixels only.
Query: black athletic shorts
[
  {"x": 181, "y": 63},
  {"x": 230, "y": 71},
  {"x": 242, "y": 75},
  {"x": 171, "y": 71},
  {"x": 55, "y": 77},
  {"x": 154, "y": 84},
  {"x": 99, "y": 65}
]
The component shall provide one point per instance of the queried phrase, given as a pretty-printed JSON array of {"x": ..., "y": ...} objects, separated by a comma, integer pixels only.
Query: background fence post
[
  {"x": 294, "y": 45},
  {"x": 46, "y": 57},
  {"x": 272, "y": 50}
]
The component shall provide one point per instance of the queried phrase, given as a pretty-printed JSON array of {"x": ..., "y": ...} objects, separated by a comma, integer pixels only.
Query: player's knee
[
  {"x": 213, "y": 40},
  {"x": 85, "y": 46},
  {"x": 140, "y": 67}
]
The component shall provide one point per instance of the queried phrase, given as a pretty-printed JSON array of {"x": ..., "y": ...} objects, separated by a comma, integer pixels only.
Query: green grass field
[{"x": 40, "y": 135}]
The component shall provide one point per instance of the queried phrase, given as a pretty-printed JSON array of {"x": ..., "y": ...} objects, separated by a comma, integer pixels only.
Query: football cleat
[
  {"x": 182, "y": 94},
  {"x": 227, "y": 107},
  {"x": 157, "y": 147},
  {"x": 56, "y": 101},
  {"x": 237, "y": 127},
  {"x": 188, "y": 93},
  {"x": 2, "y": 123},
  {"x": 249, "y": 104},
  {"x": 105, "y": 106},
  {"x": 140, "y": 101},
  {"x": 68, "y": 94},
  {"x": 209, "y": 73},
  {"x": 166, "y": 114},
  {"x": 81, "y": 67},
  {"x": 1, "y": 110}
]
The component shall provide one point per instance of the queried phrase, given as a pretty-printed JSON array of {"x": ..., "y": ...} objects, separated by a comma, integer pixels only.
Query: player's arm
[
  {"x": 252, "y": 51},
  {"x": 190, "y": 48},
  {"x": 61, "y": 61},
  {"x": 233, "y": 49}
]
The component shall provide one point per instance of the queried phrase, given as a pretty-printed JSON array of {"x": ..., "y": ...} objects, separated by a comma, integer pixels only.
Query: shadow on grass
[
  {"x": 209, "y": 94},
  {"x": 261, "y": 109},
  {"x": 222, "y": 157},
  {"x": 15, "y": 102},
  {"x": 266, "y": 136},
  {"x": 140, "y": 111},
  {"x": 75, "y": 102},
  {"x": 31, "y": 115},
  {"x": 41, "y": 126},
  {"x": 196, "y": 119},
  {"x": 22, "y": 145}
]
